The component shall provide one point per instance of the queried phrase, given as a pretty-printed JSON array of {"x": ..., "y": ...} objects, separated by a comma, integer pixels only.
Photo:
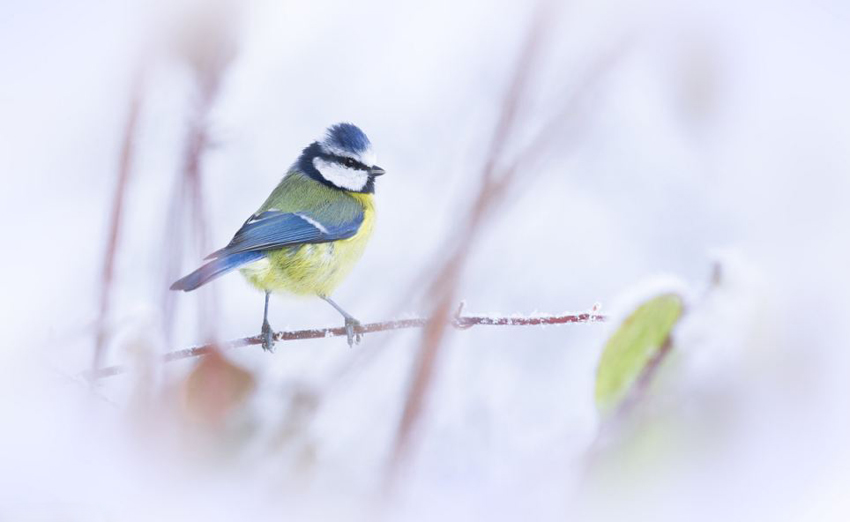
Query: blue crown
[{"x": 348, "y": 137}]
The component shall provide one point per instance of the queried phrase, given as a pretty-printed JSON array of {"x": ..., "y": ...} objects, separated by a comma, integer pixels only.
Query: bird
[{"x": 311, "y": 230}]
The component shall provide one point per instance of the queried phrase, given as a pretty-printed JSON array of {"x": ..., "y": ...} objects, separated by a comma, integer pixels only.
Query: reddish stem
[{"x": 108, "y": 273}]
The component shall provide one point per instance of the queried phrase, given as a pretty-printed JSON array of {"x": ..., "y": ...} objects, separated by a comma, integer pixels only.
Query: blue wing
[
  {"x": 269, "y": 230},
  {"x": 273, "y": 229}
]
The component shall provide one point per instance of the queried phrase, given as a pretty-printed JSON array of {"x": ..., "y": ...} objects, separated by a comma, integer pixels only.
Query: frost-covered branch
[{"x": 461, "y": 322}]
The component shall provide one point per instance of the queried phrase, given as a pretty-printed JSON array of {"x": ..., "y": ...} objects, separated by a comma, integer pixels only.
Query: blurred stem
[
  {"x": 189, "y": 197},
  {"x": 443, "y": 288},
  {"x": 112, "y": 242},
  {"x": 496, "y": 180}
]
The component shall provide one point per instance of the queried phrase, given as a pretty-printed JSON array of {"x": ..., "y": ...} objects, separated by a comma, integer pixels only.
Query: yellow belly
[{"x": 312, "y": 269}]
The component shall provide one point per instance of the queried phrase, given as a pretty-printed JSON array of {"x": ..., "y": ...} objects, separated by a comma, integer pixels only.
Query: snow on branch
[{"x": 461, "y": 322}]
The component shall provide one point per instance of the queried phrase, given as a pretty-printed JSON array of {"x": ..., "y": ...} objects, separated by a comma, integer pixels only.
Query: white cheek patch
[{"x": 340, "y": 175}]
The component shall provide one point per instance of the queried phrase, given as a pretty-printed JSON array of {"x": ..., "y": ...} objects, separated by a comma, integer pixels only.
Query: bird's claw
[
  {"x": 350, "y": 325},
  {"x": 268, "y": 337}
]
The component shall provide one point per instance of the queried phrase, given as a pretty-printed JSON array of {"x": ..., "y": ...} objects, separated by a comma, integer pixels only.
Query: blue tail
[{"x": 215, "y": 268}]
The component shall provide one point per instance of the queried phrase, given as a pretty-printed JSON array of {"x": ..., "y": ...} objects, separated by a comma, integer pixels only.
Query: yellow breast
[{"x": 313, "y": 269}]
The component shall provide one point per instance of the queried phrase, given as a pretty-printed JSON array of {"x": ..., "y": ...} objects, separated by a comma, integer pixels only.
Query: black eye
[{"x": 349, "y": 162}]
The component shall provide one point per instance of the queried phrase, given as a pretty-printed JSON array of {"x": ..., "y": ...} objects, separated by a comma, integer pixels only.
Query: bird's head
[{"x": 342, "y": 159}]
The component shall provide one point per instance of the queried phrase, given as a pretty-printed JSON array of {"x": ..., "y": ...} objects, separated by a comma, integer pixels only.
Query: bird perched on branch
[{"x": 311, "y": 230}]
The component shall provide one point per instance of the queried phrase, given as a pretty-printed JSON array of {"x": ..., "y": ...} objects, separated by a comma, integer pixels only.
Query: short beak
[{"x": 376, "y": 171}]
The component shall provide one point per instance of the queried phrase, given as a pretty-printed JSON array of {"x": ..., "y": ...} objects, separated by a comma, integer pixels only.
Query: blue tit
[{"x": 312, "y": 229}]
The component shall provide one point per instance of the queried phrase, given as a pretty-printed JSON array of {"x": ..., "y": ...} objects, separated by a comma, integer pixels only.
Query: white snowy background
[{"x": 719, "y": 133}]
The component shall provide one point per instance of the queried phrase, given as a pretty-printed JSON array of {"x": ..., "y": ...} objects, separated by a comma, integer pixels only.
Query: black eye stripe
[{"x": 348, "y": 162}]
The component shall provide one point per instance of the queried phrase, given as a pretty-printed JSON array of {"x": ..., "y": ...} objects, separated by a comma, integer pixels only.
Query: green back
[{"x": 297, "y": 192}]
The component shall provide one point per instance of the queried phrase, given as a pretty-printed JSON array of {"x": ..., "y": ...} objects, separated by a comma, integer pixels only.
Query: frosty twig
[{"x": 458, "y": 321}]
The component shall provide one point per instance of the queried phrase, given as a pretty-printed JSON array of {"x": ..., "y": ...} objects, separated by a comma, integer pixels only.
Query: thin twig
[
  {"x": 460, "y": 322},
  {"x": 209, "y": 52},
  {"x": 443, "y": 288},
  {"x": 497, "y": 179},
  {"x": 124, "y": 170}
]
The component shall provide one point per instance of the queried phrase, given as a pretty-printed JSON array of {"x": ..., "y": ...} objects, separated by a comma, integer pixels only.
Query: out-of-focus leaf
[
  {"x": 634, "y": 345},
  {"x": 214, "y": 388}
]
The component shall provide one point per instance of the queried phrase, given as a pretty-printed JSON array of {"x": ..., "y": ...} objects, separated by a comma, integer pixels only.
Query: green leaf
[{"x": 633, "y": 346}]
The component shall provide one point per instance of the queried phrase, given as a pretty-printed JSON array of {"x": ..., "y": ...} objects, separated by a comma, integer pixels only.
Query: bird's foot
[
  {"x": 353, "y": 338},
  {"x": 268, "y": 337}
]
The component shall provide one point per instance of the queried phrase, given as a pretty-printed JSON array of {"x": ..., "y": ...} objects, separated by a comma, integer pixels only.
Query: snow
[
  {"x": 642, "y": 291},
  {"x": 719, "y": 136}
]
